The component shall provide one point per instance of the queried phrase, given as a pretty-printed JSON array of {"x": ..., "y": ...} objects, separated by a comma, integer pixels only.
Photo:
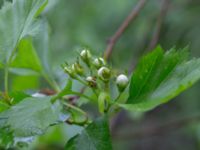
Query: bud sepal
[{"x": 104, "y": 74}]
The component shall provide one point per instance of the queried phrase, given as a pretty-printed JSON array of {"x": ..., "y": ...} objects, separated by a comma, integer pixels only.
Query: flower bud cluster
[
  {"x": 98, "y": 69},
  {"x": 96, "y": 74}
]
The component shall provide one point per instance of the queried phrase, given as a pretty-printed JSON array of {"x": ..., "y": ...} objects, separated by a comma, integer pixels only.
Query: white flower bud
[
  {"x": 78, "y": 68},
  {"x": 104, "y": 73},
  {"x": 85, "y": 55},
  {"x": 70, "y": 71},
  {"x": 99, "y": 62},
  {"x": 91, "y": 81},
  {"x": 122, "y": 82}
]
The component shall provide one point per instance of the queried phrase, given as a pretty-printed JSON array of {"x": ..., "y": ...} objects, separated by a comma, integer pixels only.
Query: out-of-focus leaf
[
  {"x": 159, "y": 77},
  {"x": 3, "y": 106},
  {"x": 1, "y": 65},
  {"x": 6, "y": 139},
  {"x": 27, "y": 57},
  {"x": 30, "y": 117},
  {"x": 67, "y": 90},
  {"x": 95, "y": 137},
  {"x": 24, "y": 82},
  {"x": 17, "y": 20},
  {"x": 41, "y": 44},
  {"x": 23, "y": 72},
  {"x": 18, "y": 96}
]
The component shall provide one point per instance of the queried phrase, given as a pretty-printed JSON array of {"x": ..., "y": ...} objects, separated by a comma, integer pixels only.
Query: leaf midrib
[
  {"x": 147, "y": 79},
  {"x": 20, "y": 35}
]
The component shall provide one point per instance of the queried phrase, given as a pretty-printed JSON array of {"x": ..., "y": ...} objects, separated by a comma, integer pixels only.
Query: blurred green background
[{"x": 74, "y": 24}]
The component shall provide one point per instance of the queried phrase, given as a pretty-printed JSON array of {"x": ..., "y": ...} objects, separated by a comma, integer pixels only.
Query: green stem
[
  {"x": 81, "y": 95},
  {"x": 51, "y": 82},
  {"x": 120, "y": 94},
  {"x": 81, "y": 81},
  {"x": 113, "y": 103},
  {"x": 6, "y": 80},
  {"x": 62, "y": 93},
  {"x": 80, "y": 123},
  {"x": 7, "y": 71},
  {"x": 107, "y": 87},
  {"x": 85, "y": 83},
  {"x": 75, "y": 108},
  {"x": 95, "y": 92}
]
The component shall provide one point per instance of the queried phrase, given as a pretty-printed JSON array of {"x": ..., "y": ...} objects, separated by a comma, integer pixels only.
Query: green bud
[
  {"x": 91, "y": 81},
  {"x": 99, "y": 62},
  {"x": 104, "y": 74},
  {"x": 78, "y": 68},
  {"x": 103, "y": 101},
  {"x": 85, "y": 56},
  {"x": 70, "y": 71},
  {"x": 122, "y": 82}
]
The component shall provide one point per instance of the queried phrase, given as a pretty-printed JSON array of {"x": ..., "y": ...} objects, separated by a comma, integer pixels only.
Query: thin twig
[
  {"x": 111, "y": 42},
  {"x": 73, "y": 99},
  {"x": 156, "y": 34},
  {"x": 159, "y": 23}
]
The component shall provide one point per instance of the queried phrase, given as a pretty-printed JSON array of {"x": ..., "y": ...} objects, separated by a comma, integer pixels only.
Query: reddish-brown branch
[
  {"x": 156, "y": 34},
  {"x": 111, "y": 42},
  {"x": 72, "y": 99},
  {"x": 159, "y": 23}
]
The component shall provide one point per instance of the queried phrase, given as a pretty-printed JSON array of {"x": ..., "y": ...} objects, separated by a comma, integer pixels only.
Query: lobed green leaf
[
  {"x": 26, "y": 57},
  {"x": 159, "y": 77},
  {"x": 17, "y": 20},
  {"x": 30, "y": 117},
  {"x": 95, "y": 137}
]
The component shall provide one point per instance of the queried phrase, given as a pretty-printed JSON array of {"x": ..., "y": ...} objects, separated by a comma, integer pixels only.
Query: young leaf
[
  {"x": 95, "y": 137},
  {"x": 17, "y": 20},
  {"x": 6, "y": 139},
  {"x": 30, "y": 117},
  {"x": 18, "y": 96},
  {"x": 41, "y": 44},
  {"x": 21, "y": 83},
  {"x": 3, "y": 106},
  {"x": 27, "y": 57},
  {"x": 159, "y": 77}
]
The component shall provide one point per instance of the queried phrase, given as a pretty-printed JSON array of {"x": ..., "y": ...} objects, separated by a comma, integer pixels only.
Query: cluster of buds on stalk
[
  {"x": 96, "y": 74},
  {"x": 74, "y": 69}
]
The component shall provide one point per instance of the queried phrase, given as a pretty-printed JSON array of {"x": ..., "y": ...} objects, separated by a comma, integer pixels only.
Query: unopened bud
[
  {"x": 70, "y": 71},
  {"x": 91, "y": 81},
  {"x": 122, "y": 82},
  {"x": 78, "y": 68},
  {"x": 99, "y": 62},
  {"x": 103, "y": 102},
  {"x": 104, "y": 73},
  {"x": 85, "y": 56}
]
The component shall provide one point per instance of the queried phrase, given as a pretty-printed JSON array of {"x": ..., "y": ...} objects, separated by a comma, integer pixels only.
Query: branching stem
[{"x": 130, "y": 18}]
